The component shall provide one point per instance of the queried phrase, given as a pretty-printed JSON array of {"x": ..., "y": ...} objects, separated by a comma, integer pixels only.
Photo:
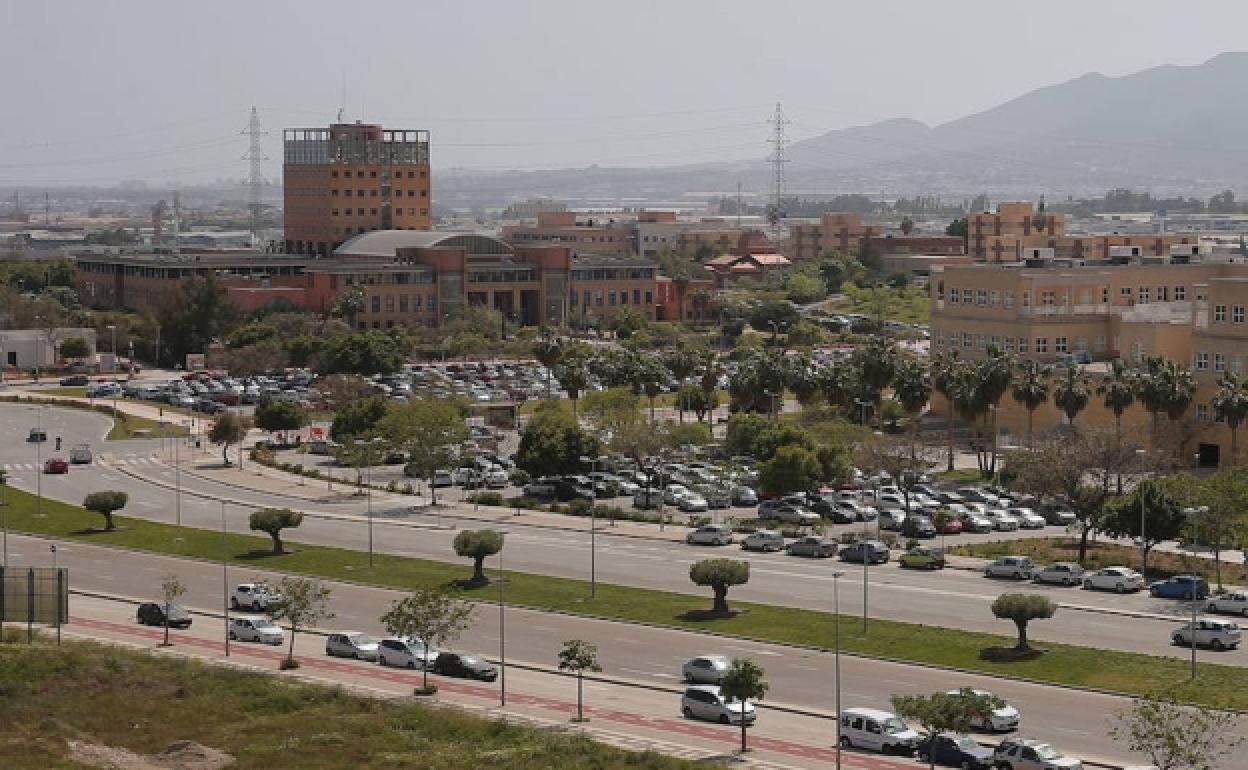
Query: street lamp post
[
  {"x": 836, "y": 656},
  {"x": 225, "y": 580},
  {"x": 177, "y": 484},
  {"x": 39, "y": 461},
  {"x": 502, "y": 628},
  {"x": 593, "y": 530}
]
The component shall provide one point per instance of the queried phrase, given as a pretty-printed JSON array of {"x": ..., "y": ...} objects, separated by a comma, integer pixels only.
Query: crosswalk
[{"x": 130, "y": 460}]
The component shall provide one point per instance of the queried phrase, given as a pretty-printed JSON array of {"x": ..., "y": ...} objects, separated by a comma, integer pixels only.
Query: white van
[{"x": 877, "y": 730}]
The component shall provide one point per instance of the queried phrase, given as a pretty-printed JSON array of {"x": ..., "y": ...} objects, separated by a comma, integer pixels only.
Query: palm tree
[
  {"x": 682, "y": 362},
  {"x": 1151, "y": 390},
  {"x": 701, "y": 297},
  {"x": 1031, "y": 389},
  {"x": 994, "y": 372},
  {"x": 1118, "y": 388},
  {"x": 573, "y": 375},
  {"x": 649, "y": 376},
  {"x": 709, "y": 371},
  {"x": 969, "y": 400},
  {"x": 1230, "y": 403},
  {"x": 548, "y": 350},
  {"x": 912, "y": 388},
  {"x": 945, "y": 368},
  {"x": 802, "y": 375},
  {"x": 1072, "y": 393}
]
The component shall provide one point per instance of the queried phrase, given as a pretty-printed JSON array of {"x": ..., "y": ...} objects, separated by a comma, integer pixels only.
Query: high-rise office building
[{"x": 352, "y": 178}]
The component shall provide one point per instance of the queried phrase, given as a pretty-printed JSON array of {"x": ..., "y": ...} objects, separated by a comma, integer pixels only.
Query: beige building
[{"x": 1065, "y": 311}]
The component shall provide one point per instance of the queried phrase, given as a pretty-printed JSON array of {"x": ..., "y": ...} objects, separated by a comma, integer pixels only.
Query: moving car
[
  {"x": 80, "y": 454},
  {"x": 1208, "y": 632},
  {"x": 37, "y": 435},
  {"x": 813, "y": 546},
  {"x": 709, "y": 535},
  {"x": 1062, "y": 573},
  {"x": 255, "y": 629},
  {"x": 1000, "y": 720},
  {"x": 869, "y": 551},
  {"x": 1017, "y": 567},
  {"x": 75, "y": 380},
  {"x": 707, "y": 669},
  {"x": 253, "y": 596},
  {"x": 1231, "y": 603},
  {"x": 1026, "y": 754},
  {"x": 1118, "y": 579},
  {"x": 922, "y": 558},
  {"x": 763, "y": 540},
  {"x": 1179, "y": 587},
  {"x": 706, "y": 702},
  {"x": 404, "y": 653},
  {"x": 955, "y": 750},
  {"x": 351, "y": 644},
  {"x": 153, "y": 614},
  {"x": 56, "y": 465},
  {"x": 463, "y": 666},
  {"x": 877, "y": 730}
]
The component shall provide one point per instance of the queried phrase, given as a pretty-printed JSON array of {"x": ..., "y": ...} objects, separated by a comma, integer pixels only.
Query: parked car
[
  {"x": 1017, "y": 567},
  {"x": 793, "y": 514},
  {"x": 1179, "y": 587},
  {"x": 56, "y": 465},
  {"x": 706, "y": 702},
  {"x": 709, "y": 535},
  {"x": 950, "y": 525},
  {"x": 976, "y": 522},
  {"x": 1118, "y": 579},
  {"x": 1027, "y": 518},
  {"x": 404, "y": 653},
  {"x": 647, "y": 498},
  {"x": 463, "y": 666},
  {"x": 869, "y": 551},
  {"x": 918, "y": 526},
  {"x": 877, "y": 730},
  {"x": 922, "y": 558},
  {"x": 1000, "y": 720},
  {"x": 1062, "y": 573},
  {"x": 1026, "y": 754},
  {"x": 1208, "y": 632},
  {"x": 153, "y": 614},
  {"x": 351, "y": 644},
  {"x": 744, "y": 497},
  {"x": 955, "y": 750},
  {"x": 892, "y": 519},
  {"x": 256, "y": 629},
  {"x": 253, "y": 596},
  {"x": 1231, "y": 603},
  {"x": 1058, "y": 517},
  {"x": 1002, "y": 521},
  {"x": 763, "y": 540},
  {"x": 813, "y": 546},
  {"x": 692, "y": 502},
  {"x": 443, "y": 479},
  {"x": 707, "y": 669}
]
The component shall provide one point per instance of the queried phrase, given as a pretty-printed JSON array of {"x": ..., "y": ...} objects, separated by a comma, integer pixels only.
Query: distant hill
[{"x": 1172, "y": 128}]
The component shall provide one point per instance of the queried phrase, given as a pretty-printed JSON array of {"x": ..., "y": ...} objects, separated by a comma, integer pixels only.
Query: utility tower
[
  {"x": 779, "y": 143},
  {"x": 255, "y": 179}
]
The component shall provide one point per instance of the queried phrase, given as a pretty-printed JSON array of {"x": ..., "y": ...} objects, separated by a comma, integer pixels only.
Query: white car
[
  {"x": 1021, "y": 754},
  {"x": 1017, "y": 567},
  {"x": 351, "y": 644},
  {"x": 496, "y": 478},
  {"x": 891, "y": 519},
  {"x": 253, "y": 596},
  {"x": 1062, "y": 573},
  {"x": 709, "y": 535},
  {"x": 1001, "y": 720},
  {"x": 692, "y": 502},
  {"x": 1209, "y": 632},
  {"x": 763, "y": 540},
  {"x": 1002, "y": 521},
  {"x": 705, "y": 702},
  {"x": 672, "y": 493},
  {"x": 1118, "y": 579},
  {"x": 404, "y": 653},
  {"x": 1027, "y": 518},
  {"x": 256, "y": 628},
  {"x": 1231, "y": 603}
]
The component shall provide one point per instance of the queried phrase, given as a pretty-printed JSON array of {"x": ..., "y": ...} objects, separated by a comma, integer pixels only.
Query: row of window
[
  {"x": 1202, "y": 361},
  {"x": 373, "y": 174},
  {"x": 1052, "y": 297},
  {"x": 373, "y": 212},
  {"x": 404, "y": 303},
  {"x": 610, "y": 297},
  {"x": 613, "y": 274},
  {"x": 1237, "y": 314},
  {"x": 1020, "y": 345}
]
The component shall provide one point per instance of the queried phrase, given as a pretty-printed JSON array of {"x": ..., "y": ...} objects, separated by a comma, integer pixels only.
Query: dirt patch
[{"x": 179, "y": 755}]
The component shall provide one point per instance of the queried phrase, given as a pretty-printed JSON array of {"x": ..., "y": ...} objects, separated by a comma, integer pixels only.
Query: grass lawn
[
  {"x": 909, "y": 305},
  {"x": 961, "y": 475},
  {"x": 1218, "y": 685},
  {"x": 124, "y": 425},
  {"x": 1161, "y": 564},
  {"x": 143, "y": 702},
  {"x": 132, "y": 426},
  {"x": 71, "y": 392}
]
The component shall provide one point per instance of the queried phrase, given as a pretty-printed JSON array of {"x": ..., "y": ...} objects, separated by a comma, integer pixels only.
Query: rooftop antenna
[
  {"x": 255, "y": 179},
  {"x": 177, "y": 213},
  {"x": 738, "y": 204},
  {"x": 777, "y": 159},
  {"x": 342, "y": 108},
  {"x": 47, "y": 209}
]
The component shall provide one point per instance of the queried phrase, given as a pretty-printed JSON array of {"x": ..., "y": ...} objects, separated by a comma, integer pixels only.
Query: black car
[
  {"x": 463, "y": 666},
  {"x": 153, "y": 614},
  {"x": 918, "y": 526},
  {"x": 574, "y": 487},
  {"x": 955, "y": 750},
  {"x": 208, "y": 406},
  {"x": 75, "y": 380}
]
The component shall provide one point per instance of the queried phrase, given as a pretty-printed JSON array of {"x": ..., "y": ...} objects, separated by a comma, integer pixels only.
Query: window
[
  {"x": 1060, "y": 345},
  {"x": 1022, "y": 346},
  {"x": 994, "y": 298},
  {"x": 1104, "y": 295},
  {"x": 1202, "y": 361},
  {"x": 1145, "y": 295},
  {"x": 636, "y": 296},
  {"x": 1163, "y": 293},
  {"x": 1180, "y": 293},
  {"x": 1081, "y": 344},
  {"x": 390, "y": 303},
  {"x": 981, "y": 297},
  {"x": 1042, "y": 345},
  {"x": 981, "y": 342},
  {"x": 598, "y": 298},
  {"x": 1219, "y": 313},
  {"x": 1125, "y": 292},
  {"x": 334, "y": 174},
  {"x": 433, "y": 303},
  {"x": 955, "y": 296},
  {"x": 1009, "y": 344},
  {"x": 611, "y": 297},
  {"x": 416, "y": 302},
  {"x": 376, "y": 303},
  {"x": 1237, "y": 364},
  {"x": 649, "y": 297},
  {"x": 967, "y": 340},
  {"x": 1237, "y": 314},
  {"x": 1048, "y": 298},
  {"x": 995, "y": 341},
  {"x": 1026, "y": 299},
  {"x": 1219, "y": 362},
  {"x": 1008, "y": 300},
  {"x": 333, "y": 212},
  {"x": 1202, "y": 412}
]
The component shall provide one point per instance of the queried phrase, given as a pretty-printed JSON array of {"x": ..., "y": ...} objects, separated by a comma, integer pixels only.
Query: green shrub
[
  {"x": 699, "y": 521},
  {"x": 747, "y": 526},
  {"x": 579, "y": 507},
  {"x": 487, "y": 498}
]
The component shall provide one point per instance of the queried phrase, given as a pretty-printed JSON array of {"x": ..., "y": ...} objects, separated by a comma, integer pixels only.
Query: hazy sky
[{"x": 97, "y": 91}]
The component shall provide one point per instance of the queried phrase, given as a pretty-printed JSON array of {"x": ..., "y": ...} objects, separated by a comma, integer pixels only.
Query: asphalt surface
[{"x": 801, "y": 680}]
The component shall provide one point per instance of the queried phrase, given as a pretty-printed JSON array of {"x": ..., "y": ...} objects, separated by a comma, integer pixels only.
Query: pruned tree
[
  {"x": 229, "y": 428},
  {"x": 274, "y": 415},
  {"x": 1022, "y": 609},
  {"x": 272, "y": 521},
  {"x": 105, "y": 503},
  {"x": 1153, "y": 504},
  {"x": 302, "y": 602},
  {"x": 944, "y": 712},
  {"x": 477, "y": 544},
  {"x": 429, "y": 432},
  {"x": 744, "y": 681},
  {"x": 432, "y": 616},
  {"x": 720, "y": 575},
  {"x": 171, "y": 588},
  {"x": 579, "y": 656},
  {"x": 1178, "y": 736}
]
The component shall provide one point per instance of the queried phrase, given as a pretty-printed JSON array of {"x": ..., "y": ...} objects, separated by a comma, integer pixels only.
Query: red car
[
  {"x": 56, "y": 465},
  {"x": 952, "y": 526}
]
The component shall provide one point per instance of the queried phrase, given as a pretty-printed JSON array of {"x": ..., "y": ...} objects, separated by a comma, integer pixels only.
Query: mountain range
[{"x": 1172, "y": 129}]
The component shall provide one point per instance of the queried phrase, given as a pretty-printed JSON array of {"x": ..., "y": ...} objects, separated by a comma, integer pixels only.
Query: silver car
[
  {"x": 1209, "y": 632},
  {"x": 256, "y": 629},
  {"x": 1231, "y": 603},
  {"x": 1017, "y": 567},
  {"x": 1063, "y": 573},
  {"x": 709, "y": 535},
  {"x": 706, "y": 702},
  {"x": 351, "y": 644},
  {"x": 405, "y": 653},
  {"x": 708, "y": 669}
]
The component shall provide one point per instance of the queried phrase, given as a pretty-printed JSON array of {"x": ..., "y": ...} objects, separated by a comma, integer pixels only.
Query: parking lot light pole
[
  {"x": 836, "y": 656},
  {"x": 225, "y": 580}
]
